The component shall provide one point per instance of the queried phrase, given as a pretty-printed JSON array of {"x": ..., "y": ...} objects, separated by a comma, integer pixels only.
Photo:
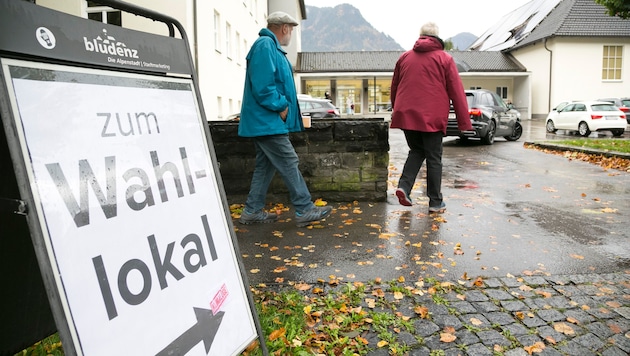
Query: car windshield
[
  {"x": 561, "y": 105},
  {"x": 625, "y": 102},
  {"x": 603, "y": 107}
]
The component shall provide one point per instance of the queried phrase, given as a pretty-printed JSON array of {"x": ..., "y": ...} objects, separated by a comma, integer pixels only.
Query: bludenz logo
[{"x": 107, "y": 44}]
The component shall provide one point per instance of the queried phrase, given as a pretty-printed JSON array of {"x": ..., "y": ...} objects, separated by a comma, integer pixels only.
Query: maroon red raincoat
[{"x": 425, "y": 78}]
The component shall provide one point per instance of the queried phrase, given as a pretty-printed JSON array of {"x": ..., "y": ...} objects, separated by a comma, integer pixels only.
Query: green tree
[
  {"x": 619, "y": 8},
  {"x": 448, "y": 45}
]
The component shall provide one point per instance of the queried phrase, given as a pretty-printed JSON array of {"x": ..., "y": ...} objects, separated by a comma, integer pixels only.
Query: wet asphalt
[{"x": 515, "y": 217}]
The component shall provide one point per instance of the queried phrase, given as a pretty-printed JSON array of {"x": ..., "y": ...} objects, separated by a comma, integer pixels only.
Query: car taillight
[
  {"x": 624, "y": 109},
  {"x": 595, "y": 117},
  {"x": 474, "y": 112}
]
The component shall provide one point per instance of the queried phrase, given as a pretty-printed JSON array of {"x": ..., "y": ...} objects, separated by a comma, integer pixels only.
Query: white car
[
  {"x": 587, "y": 116},
  {"x": 554, "y": 112}
]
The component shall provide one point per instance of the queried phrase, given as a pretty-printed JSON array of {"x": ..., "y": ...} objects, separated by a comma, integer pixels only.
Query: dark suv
[
  {"x": 490, "y": 117},
  {"x": 317, "y": 108}
]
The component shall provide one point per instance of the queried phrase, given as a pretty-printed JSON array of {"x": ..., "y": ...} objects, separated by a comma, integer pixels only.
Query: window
[
  {"x": 237, "y": 42},
  {"x": 217, "y": 32},
  {"x": 219, "y": 107},
  {"x": 475, "y": 88},
  {"x": 486, "y": 99},
  {"x": 502, "y": 92},
  {"x": 228, "y": 40},
  {"x": 103, "y": 14},
  {"x": 611, "y": 62}
]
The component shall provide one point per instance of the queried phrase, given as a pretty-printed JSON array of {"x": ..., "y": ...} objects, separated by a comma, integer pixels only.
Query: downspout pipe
[
  {"x": 195, "y": 39},
  {"x": 550, "y": 72}
]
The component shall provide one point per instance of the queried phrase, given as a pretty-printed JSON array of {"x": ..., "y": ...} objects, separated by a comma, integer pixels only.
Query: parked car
[
  {"x": 622, "y": 103},
  {"x": 317, "y": 108},
  {"x": 490, "y": 117},
  {"x": 587, "y": 116},
  {"x": 554, "y": 112}
]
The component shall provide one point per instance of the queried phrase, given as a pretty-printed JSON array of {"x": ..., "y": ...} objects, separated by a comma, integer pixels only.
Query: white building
[{"x": 221, "y": 33}]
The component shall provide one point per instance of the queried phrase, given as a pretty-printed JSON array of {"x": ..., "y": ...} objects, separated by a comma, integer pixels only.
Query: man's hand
[{"x": 283, "y": 114}]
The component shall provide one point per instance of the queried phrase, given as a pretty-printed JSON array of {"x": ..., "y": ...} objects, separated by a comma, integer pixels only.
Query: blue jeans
[
  {"x": 276, "y": 153},
  {"x": 424, "y": 145}
]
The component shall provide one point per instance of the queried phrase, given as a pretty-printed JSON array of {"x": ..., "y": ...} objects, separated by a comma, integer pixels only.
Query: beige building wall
[{"x": 571, "y": 69}]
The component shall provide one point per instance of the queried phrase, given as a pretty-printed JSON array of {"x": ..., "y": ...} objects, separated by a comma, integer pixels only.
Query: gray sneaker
[
  {"x": 438, "y": 209},
  {"x": 316, "y": 214},
  {"x": 259, "y": 217}
]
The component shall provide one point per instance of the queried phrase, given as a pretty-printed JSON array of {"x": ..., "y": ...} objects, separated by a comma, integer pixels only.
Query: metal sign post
[{"x": 124, "y": 202}]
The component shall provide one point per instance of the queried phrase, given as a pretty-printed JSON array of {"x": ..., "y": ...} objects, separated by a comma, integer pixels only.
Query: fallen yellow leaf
[
  {"x": 447, "y": 337},
  {"x": 277, "y": 334},
  {"x": 422, "y": 311},
  {"x": 564, "y": 328},
  {"x": 538, "y": 347}
]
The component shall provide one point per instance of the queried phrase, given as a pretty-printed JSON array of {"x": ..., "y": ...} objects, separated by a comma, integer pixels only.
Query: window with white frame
[
  {"x": 219, "y": 107},
  {"x": 502, "y": 92},
  {"x": 612, "y": 60},
  {"x": 217, "y": 32},
  {"x": 103, "y": 14},
  {"x": 228, "y": 40},
  {"x": 237, "y": 42}
]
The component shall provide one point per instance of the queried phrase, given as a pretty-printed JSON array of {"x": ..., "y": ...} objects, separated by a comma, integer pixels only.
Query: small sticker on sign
[{"x": 219, "y": 298}]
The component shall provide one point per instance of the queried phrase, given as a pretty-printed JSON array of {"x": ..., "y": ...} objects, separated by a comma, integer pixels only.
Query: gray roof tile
[{"x": 384, "y": 61}]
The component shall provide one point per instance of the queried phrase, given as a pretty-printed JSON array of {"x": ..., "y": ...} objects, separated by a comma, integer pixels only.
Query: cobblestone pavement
[{"x": 531, "y": 315}]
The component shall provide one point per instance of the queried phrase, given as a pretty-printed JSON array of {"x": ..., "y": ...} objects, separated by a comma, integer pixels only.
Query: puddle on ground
[{"x": 464, "y": 184}]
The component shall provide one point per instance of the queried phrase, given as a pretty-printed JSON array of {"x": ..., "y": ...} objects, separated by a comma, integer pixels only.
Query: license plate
[
  {"x": 451, "y": 115},
  {"x": 612, "y": 117}
]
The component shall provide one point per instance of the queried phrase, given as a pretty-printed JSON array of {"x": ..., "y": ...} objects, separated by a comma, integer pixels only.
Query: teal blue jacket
[{"x": 269, "y": 89}]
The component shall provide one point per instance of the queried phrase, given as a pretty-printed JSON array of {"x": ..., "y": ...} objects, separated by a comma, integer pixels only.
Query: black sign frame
[{"x": 144, "y": 54}]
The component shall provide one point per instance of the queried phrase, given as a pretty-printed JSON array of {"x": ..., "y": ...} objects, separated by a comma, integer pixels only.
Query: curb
[{"x": 558, "y": 147}]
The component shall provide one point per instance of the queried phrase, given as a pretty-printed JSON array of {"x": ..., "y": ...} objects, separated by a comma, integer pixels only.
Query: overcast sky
[{"x": 401, "y": 19}]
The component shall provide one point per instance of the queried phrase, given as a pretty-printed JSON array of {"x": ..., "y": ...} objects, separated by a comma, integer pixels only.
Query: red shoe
[{"x": 403, "y": 198}]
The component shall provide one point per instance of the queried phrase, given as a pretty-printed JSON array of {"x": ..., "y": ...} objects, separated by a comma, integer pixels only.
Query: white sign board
[{"x": 131, "y": 212}]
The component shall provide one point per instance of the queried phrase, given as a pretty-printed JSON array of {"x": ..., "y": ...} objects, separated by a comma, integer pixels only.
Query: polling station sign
[{"x": 130, "y": 210}]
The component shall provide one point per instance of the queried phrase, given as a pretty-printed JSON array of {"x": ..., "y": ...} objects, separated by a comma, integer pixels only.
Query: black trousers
[{"x": 424, "y": 146}]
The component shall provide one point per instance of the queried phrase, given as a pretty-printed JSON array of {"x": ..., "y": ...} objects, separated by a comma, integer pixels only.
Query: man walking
[
  {"x": 269, "y": 113},
  {"x": 425, "y": 81}
]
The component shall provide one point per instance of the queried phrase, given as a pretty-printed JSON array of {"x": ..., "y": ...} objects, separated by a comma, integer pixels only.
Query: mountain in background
[
  {"x": 343, "y": 28},
  {"x": 463, "y": 40}
]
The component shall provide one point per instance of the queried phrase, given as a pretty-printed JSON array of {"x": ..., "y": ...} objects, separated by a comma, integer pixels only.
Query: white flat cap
[{"x": 281, "y": 18}]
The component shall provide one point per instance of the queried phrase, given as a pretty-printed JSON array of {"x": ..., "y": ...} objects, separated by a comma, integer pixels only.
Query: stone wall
[{"x": 341, "y": 160}]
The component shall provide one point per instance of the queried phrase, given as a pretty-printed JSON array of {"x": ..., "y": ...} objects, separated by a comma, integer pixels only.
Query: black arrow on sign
[{"x": 205, "y": 330}]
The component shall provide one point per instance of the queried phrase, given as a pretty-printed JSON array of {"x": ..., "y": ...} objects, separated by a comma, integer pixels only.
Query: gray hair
[{"x": 429, "y": 29}]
